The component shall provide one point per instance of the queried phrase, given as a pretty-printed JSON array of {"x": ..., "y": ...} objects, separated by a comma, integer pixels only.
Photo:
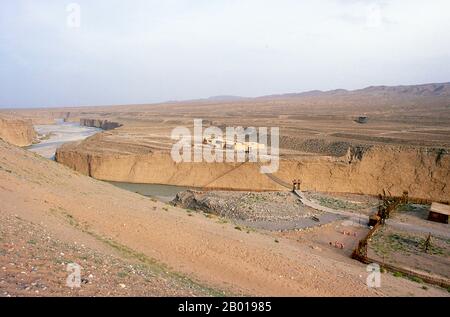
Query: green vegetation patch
[
  {"x": 337, "y": 203},
  {"x": 395, "y": 242},
  {"x": 412, "y": 207}
]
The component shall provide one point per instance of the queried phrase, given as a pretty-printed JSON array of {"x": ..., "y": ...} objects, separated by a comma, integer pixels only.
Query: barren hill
[
  {"x": 434, "y": 89},
  {"x": 442, "y": 89}
]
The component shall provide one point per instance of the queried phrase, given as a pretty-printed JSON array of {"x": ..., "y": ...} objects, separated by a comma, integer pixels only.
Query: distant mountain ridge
[
  {"x": 436, "y": 89},
  {"x": 433, "y": 89},
  {"x": 425, "y": 90}
]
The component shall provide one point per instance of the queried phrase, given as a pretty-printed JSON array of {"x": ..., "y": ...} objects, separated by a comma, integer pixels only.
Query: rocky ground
[
  {"x": 269, "y": 206},
  {"x": 273, "y": 211},
  {"x": 359, "y": 204},
  {"x": 319, "y": 146},
  {"x": 34, "y": 262}
]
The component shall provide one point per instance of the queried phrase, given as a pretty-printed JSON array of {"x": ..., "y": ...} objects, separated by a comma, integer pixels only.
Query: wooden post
[
  {"x": 405, "y": 197},
  {"x": 428, "y": 243}
]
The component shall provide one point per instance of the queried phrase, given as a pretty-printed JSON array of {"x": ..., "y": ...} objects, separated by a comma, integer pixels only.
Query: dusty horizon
[
  {"x": 56, "y": 54},
  {"x": 225, "y": 98}
]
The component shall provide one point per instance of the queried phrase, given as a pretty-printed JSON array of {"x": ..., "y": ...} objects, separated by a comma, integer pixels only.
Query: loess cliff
[{"x": 17, "y": 132}]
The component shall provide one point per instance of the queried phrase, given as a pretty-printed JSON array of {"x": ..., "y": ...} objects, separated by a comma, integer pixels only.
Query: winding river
[{"x": 54, "y": 135}]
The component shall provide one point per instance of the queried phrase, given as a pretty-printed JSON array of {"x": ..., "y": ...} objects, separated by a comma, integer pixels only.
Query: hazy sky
[{"x": 142, "y": 51}]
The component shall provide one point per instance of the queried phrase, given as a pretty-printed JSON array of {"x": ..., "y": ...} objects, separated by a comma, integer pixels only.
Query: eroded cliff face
[
  {"x": 424, "y": 173},
  {"x": 98, "y": 123},
  {"x": 17, "y": 132}
]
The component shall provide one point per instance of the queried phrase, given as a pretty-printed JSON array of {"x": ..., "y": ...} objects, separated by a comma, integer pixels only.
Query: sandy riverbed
[{"x": 54, "y": 135}]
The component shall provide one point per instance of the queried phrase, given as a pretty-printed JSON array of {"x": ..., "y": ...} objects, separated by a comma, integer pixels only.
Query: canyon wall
[
  {"x": 17, "y": 132},
  {"x": 98, "y": 123},
  {"x": 424, "y": 173}
]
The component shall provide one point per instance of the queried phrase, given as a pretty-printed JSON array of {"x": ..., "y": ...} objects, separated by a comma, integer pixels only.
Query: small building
[{"x": 439, "y": 212}]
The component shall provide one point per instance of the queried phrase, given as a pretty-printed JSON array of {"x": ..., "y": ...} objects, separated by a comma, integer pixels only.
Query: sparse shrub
[
  {"x": 238, "y": 228},
  {"x": 398, "y": 274},
  {"x": 416, "y": 279},
  {"x": 404, "y": 207}
]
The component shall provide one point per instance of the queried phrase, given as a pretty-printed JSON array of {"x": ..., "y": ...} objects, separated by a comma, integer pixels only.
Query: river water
[
  {"x": 53, "y": 136},
  {"x": 164, "y": 193},
  {"x": 58, "y": 134}
]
